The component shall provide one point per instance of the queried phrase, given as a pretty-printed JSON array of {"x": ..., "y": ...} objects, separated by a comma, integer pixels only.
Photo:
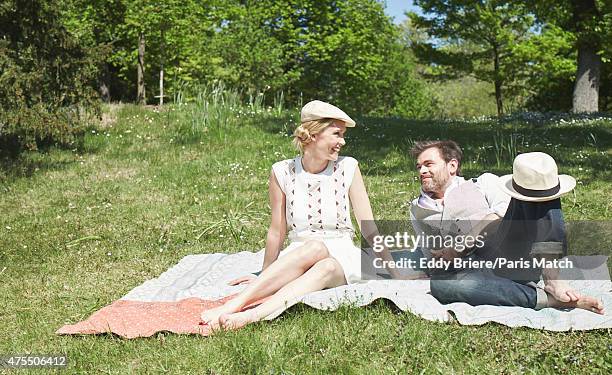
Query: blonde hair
[{"x": 303, "y": 133}]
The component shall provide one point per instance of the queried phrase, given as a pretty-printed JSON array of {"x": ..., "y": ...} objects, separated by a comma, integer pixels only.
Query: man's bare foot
[
  {"x": 584, "y": 302},
  {"x": 211, "y": 316},
  {"x": 561, "y": 291},
  {"x": 237, "y": 320}
]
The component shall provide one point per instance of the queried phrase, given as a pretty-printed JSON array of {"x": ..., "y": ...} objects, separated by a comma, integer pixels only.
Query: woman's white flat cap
[{"x": 317, "y": 110}]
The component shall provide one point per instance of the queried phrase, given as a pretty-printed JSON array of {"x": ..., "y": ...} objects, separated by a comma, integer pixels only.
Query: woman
[{"x": 309, "y": 197}]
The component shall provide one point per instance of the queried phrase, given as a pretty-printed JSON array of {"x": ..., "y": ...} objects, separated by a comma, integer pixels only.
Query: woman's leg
[
  {"x": 326, "y": 273},
  {"x": 278, "y": 274}
]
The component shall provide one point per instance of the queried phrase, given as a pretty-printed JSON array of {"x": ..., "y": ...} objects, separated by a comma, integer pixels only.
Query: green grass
[{"x": 80, "y": 228}]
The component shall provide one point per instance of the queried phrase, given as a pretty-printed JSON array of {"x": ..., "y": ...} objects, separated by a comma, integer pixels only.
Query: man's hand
[
  {"x": 242, "y": 280},
  {"x": 448, "y": 253},
  {"x": 561, "y": 291}
]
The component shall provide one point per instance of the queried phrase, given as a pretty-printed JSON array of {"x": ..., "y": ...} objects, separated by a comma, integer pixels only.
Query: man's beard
[{"x": 435, "y": 184}]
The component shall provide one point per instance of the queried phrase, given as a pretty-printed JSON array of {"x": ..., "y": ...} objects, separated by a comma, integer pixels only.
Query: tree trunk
[
  {"x": 498, "y": 83},
  {"x": 141, "y": 97},
  {"x": 104, "y": 84},
  {"x": 586, "y": 89}
]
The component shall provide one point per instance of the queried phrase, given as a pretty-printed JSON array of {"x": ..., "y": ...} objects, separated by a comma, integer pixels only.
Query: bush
[
  {"x": 46, "y": 79},
  {"x": 464, "y": 98},
  {"x": 32, "y": 127},
  {"x": 414, "y": 100}
]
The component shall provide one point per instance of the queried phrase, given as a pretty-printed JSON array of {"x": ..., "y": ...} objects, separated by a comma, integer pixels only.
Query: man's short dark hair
[{"x": 448, "y": 149}]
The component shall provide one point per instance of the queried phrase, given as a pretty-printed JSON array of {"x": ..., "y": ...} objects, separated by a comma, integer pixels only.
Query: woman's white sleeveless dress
[{"x": 317, "y": 207}]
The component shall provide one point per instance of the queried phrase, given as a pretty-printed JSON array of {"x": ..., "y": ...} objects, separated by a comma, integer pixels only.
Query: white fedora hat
[
  {"x": 535, "y": 178},
  {"x": 317, "y": 110}
]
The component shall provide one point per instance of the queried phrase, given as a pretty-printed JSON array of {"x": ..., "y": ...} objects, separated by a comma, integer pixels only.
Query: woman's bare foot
[
  {"x": 584, "y": 302},
  {"x": 237, "y": 320},
  {"x": 211, "y": 316}
]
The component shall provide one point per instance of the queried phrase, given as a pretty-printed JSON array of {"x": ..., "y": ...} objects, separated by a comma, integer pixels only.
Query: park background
[{"x": 103, "y": 187}]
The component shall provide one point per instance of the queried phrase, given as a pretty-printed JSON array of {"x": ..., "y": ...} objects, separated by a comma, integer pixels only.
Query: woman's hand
[{"x": 244, "y": 280}]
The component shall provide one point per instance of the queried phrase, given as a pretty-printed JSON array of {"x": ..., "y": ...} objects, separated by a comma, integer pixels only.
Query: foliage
[
  {"x": 350, "y": 55},
  {"x": 346, "y": 51},
  {"x": 46, "y": 78},
  {"x": 475, "y": 38},
  {"x": 527, "y": 50},
  {"x": 593, "y": 27},
  {"x": 447, "y": 97},
  {"x": 584, "y": 24},
  {"x": 213, "y": 113},
  {"x": 176, "y": 33},
  {"x": 463, "y": 98}
]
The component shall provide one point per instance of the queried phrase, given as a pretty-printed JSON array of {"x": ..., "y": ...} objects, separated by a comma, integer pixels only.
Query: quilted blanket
[{"x": 174, "y": 301}]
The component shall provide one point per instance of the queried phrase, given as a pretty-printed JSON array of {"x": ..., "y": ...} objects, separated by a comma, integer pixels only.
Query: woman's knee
[
  {"x": 316, "y": 249},
  {"x": 329, "y": 268},
  {"x": 310, "y": 253}
]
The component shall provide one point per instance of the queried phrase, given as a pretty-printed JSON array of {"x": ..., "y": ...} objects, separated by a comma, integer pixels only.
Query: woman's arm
[
  {"x": 361, "y": 207},
  {"x": 278, "y": 224},
  {"x": 365, "y": 218}
]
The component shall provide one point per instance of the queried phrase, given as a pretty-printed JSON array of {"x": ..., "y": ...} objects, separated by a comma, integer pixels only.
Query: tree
[
  {"x": 474, "y": 37},
  {"x": 349, "y": 54},
  {"x": 95, "y": 24},
  {"x": 45, "y": 77},
  {"x": 590, "y": 21},
  {"x": 345, "y": 51},
  {"x": 550, "y": 63},
  {"x": 174, "y": 34}
]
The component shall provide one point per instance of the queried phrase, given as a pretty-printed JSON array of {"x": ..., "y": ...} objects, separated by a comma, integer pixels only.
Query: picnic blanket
[{"x": 173, "y": 301}]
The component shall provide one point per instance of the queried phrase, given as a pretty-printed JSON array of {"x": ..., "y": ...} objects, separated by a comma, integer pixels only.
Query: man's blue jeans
[{"x": 525, "y": 225}]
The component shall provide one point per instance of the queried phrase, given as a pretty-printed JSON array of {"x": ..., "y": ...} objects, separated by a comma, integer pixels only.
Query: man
[{"x": 526, "y": 220}]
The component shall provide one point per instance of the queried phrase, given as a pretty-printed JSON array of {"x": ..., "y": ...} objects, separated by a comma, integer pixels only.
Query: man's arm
[{"x": 497, "y": 201}]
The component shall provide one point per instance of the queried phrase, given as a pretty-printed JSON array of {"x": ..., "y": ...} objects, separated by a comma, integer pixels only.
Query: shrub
[{"x": 46, "y": 79}]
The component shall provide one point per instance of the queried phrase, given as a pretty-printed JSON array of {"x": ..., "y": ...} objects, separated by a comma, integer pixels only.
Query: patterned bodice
[{"x": 317, "y": 205}]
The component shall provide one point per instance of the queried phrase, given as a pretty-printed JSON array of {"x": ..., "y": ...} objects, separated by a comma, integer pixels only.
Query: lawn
[{"x": 81, "y": 227}]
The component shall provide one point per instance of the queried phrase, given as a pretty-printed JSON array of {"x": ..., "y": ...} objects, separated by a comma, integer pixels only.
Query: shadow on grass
[
  {"x": 23, "y": 164},
  {"x": 28, "y": 163},
  {"x": 488, "y": 145}
]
